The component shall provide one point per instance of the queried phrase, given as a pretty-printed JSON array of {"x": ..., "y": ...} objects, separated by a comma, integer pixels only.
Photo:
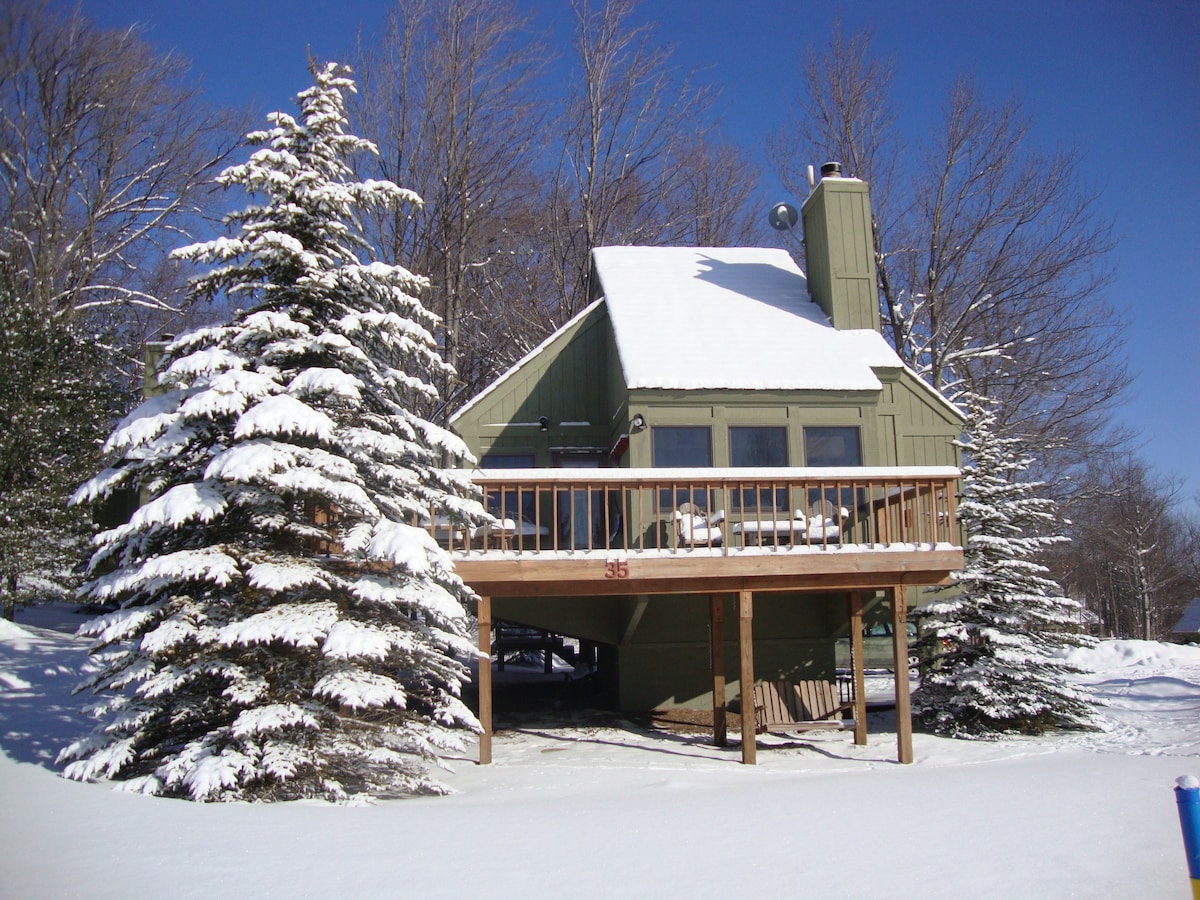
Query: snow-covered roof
[{"x": 689, "y": 318}]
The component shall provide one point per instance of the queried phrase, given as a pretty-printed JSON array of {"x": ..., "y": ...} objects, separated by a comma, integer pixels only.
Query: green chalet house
[{"x": 719, "y": 459}]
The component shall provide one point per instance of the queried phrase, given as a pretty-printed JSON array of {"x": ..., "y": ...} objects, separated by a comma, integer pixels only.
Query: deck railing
[{"x": 683, "y": 510}]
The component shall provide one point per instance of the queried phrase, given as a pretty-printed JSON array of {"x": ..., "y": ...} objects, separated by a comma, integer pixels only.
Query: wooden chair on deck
[
  {"x": 694, "y": 528},
  {"x": 825, "y": 522},
  {"x": 799, "y": 706}
]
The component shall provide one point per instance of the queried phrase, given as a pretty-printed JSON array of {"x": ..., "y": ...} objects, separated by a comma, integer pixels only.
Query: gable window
[
  {"x": 758, "y": 446},
  {"x": 826, "y": 446}
]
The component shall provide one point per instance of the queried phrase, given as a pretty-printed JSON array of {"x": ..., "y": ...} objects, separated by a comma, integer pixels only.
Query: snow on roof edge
[{"x": 935, "y": 393}]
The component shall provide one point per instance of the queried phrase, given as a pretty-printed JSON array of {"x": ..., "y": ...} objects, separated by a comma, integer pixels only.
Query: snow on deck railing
[{"x": 680, "y": 509}]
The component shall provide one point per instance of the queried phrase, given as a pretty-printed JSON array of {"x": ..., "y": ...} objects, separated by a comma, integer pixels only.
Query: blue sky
[{"x": 1120, "y": 81}]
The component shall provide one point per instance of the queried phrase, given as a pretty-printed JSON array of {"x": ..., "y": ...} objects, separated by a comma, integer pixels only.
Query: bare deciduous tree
[
  {"x": 628, "y": 119},
  {"x": 992, "y": 254},
  {"x": 709, "y": 206},
  {"x": 105, "y": 151},
  {"x": 447, "y": 94},
  {"x": 1135, "y": 555}
]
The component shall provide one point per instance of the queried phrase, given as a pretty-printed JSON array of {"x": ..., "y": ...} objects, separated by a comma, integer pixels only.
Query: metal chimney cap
[{"x": 831, "y": 170}]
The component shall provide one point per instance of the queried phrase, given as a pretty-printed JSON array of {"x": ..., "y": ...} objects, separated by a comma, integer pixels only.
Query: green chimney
[{"x": 839, "y": 253}]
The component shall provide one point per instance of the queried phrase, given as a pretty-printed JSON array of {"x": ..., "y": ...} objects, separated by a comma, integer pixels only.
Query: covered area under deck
[
  {"x": 735, "y": 596},
  {"x": 897, "y": 530}
]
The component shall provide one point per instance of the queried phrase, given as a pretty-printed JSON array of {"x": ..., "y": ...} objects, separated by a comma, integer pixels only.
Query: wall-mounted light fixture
[
  {"x": 543, "y": 423},
  {"x": 639, "y": 422}
]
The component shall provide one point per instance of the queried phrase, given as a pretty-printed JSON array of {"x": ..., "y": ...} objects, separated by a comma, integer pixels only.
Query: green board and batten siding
[
  {"x": 902, "y": 425},
  {"x": 568, "y": 382},
  {"x": 839, "y": 253}
]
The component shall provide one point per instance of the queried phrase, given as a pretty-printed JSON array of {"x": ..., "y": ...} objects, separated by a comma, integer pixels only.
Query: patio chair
[
  {"x": 824, "y": 522},
  {"x": 694, "y": 528}
]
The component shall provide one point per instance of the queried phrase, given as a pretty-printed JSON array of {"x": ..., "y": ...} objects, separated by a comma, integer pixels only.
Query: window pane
[
  {"x": 758, "y": 446},
  {"x": 832, "y": 446},
  {"x": 506, "y": 461},
  {"x": 701, "y": 498},
  {"x": 836, "y": 446},
  {"x": 687, "y": 447}
]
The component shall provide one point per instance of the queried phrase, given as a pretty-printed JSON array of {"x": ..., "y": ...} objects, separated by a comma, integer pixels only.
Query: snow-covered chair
[
  {"x": 694, "y": 528},
  {"x": 824, "y": 522}
]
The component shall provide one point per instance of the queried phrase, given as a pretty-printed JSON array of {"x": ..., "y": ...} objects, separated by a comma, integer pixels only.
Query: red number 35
[{"x": 616, "y": 568}]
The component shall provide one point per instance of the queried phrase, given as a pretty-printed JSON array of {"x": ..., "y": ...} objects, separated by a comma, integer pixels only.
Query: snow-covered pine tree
[
  {"x": 1007, "y": 620},
  {"x": 56, "y": 406},
  {"x": 284, "y": 628}
]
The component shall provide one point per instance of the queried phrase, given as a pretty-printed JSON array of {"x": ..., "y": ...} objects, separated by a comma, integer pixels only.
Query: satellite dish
[{"x": 783, "y": 216}]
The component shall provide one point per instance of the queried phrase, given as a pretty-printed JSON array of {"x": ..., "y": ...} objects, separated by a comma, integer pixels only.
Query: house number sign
[{"x": 616, "y": 568}]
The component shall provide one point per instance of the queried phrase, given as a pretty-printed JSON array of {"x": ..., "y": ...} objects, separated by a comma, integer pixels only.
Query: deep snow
[{"x": 624, "y": 812}]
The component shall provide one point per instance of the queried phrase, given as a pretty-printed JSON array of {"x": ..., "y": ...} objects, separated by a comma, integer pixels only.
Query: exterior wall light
[
  {"x": 543, "y": 423},
  {"x": 639, "y": 422}
]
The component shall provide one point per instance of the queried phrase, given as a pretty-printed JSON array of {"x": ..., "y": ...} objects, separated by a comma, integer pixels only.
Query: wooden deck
[
  {"x": 847, "y": 568},
  {"x": 611, "y": 532}
]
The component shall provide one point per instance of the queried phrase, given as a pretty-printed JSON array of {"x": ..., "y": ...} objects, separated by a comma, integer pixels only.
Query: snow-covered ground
[{"x": 624, "y": 812}]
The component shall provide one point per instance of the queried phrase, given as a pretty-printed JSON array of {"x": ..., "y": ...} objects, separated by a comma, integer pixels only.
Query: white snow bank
[
  {"x": 1113, "y": 655},
  {"x": 623, "y": 811}
]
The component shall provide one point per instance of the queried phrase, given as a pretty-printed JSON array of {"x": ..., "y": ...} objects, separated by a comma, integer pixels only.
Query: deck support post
[
  {"x": 485, "y": 680},
  {"x": 716, "y": 639},
  {"x": 904, "y": 747},
  {"x": 746, "y": 674},
  {"x": 855, "y": 606}
]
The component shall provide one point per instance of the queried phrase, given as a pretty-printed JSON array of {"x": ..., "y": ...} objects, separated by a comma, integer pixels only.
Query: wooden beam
[
  {"x": 548, "y": 575},
  {"x": 716, "y": 640},
  {"x": 854, "y": 602},
  {"x": 904, "y": 748},
  {"x": 635, "y": 619},
  {"x": 485, "y": 680},
  {"x": 746, "y": 674}
]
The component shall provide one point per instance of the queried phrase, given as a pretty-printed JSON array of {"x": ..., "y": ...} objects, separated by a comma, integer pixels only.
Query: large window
[
  {"x": 580, "y": 512},
  {"x": 684, "y": 447},
  {"x": 689, "y": 446},
  {"x": 832, "y": 446},
  {"x": 506, "y": 461},
  {"x": 758, "y": 446},
  {"x": 828, "y": 446}
]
